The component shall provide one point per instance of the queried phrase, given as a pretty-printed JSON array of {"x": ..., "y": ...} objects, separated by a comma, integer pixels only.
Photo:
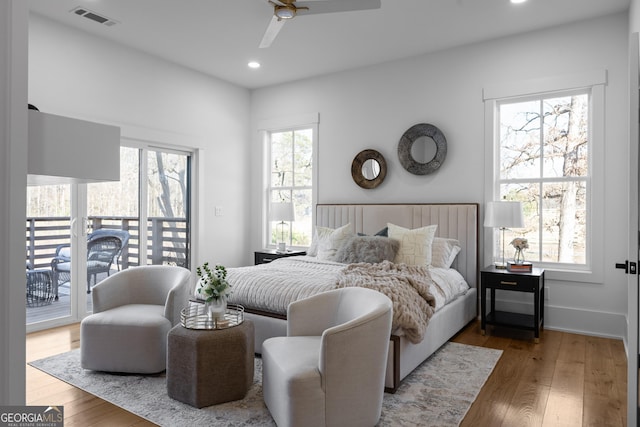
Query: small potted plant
[{"x": 213, "y": 288}]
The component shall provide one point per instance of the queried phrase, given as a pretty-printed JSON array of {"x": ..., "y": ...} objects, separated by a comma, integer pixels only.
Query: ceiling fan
[{"x": 284, "y": 10}]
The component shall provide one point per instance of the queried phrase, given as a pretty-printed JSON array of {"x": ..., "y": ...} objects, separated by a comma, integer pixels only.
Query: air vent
[{"x": 96, "y": 17}]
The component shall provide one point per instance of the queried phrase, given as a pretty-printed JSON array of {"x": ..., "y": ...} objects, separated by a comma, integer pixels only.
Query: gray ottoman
[{"x": 207, "y": 367}]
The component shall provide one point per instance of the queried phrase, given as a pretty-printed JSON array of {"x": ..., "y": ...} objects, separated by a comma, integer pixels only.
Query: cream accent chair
[
  {"x": 133, "y": 311},
  {"x": 330, "y": 368}
]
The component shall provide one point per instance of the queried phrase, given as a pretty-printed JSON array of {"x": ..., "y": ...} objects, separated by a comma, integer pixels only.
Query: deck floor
[{"x": 61, "y": 307}]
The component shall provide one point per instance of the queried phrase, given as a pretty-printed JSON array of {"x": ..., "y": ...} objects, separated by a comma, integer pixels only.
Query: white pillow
[
  {"x": 327, "y": 241},
  {"x": 444, "y": 252},
  {"x": 415, "y": 245},
  {"x": 318, "y": 233}
]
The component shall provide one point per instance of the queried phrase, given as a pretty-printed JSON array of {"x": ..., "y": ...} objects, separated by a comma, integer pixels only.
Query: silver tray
[{"x": 194, "y": 316}]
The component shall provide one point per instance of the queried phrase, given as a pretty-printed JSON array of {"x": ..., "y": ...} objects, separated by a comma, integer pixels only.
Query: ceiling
[{"x": 219, "y": 37}]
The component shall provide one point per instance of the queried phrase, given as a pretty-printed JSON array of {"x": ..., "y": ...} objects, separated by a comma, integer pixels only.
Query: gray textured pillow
[{"x": 371, "y": 249}]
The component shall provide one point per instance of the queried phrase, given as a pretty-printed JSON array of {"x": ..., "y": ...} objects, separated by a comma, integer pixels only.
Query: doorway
[{"x": 80, "y": 234}]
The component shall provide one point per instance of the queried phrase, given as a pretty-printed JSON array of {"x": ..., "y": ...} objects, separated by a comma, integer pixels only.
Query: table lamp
[
  {"x": 503, "y": 215},
  {"x": 282, "y": 211}
]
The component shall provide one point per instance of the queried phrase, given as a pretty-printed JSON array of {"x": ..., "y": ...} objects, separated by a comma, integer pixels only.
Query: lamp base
[
  {"x": 282, "y": 247},
  {"x": 500, "y": 265}
]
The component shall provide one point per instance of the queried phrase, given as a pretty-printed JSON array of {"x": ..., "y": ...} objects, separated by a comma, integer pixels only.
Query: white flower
[{"x": 520, "y": 243}]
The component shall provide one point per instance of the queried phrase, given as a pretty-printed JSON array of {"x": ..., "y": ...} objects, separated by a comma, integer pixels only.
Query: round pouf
[{"x": 207, "y": 367}]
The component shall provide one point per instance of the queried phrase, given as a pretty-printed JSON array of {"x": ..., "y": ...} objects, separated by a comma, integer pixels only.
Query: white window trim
[
  {"x": 265, "y": 127},
  {"x": 595, "y": 81}
]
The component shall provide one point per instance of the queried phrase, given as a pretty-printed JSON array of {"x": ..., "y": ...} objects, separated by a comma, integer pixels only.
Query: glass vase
[
  {"x": 216, "y": 308},
  {"x": 518, "y": 257}
]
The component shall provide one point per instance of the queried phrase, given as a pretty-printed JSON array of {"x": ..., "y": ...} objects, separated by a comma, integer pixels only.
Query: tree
[
  {"x": 544, "y": 163},
  {"x": 172, "y": 193}
]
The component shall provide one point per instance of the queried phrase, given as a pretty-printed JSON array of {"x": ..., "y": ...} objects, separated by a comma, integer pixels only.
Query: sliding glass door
[
  {"x": 168, "y": 201},
  {"x": 49, "y": 269},
  {"x": 113, "y": 220},
  {"x": 79, "y": 234}
]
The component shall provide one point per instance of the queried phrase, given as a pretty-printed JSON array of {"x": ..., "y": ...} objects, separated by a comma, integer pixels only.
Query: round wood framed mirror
[
  {"x": 369, "y": 169},
  {"x": 422, "y": 149}
]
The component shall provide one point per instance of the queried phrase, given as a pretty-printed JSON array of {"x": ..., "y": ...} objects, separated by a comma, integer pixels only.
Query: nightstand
[
  {"x": 267, "y": 255},
  {"x": 500, "y": 279}
]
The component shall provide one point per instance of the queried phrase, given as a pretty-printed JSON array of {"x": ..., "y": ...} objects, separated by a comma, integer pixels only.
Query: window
[
  {"x": 544, "y": 163},
  {"x": 290, "y": 154},
  {"x": 545, "y": 147},
  {"x": 167, "y": 194},
  {"x": 168, "y": 201}
]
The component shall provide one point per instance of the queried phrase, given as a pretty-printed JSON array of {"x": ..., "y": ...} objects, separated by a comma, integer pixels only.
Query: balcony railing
[{"x": 167, "y": 239}]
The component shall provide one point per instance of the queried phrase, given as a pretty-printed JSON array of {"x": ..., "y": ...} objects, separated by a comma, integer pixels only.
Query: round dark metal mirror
[
  {"x": 368, "y": 169},
  {"x": 422, "y": 149}
]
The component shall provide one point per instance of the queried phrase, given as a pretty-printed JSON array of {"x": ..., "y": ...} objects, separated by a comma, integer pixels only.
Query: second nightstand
[
  {"x": 267, "y": 255},
  {"x": 533, "y": 282}
]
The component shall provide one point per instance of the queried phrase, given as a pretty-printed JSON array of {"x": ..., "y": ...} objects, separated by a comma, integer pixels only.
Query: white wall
[
  {"x": 373, "y": 106},
  {"x": 13, "y": 179},
  {"x": 75, "y": 74}
]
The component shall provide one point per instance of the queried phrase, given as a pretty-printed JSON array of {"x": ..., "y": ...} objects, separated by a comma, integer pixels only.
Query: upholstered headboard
[{"x": 454, "y": 220}]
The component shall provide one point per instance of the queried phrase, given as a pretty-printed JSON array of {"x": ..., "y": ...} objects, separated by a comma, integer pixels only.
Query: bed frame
[{"x": 454, "y": 220}]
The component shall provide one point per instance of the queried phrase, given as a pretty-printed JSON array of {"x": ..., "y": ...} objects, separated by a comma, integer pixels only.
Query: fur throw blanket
[{"x": 407, "y": 287}]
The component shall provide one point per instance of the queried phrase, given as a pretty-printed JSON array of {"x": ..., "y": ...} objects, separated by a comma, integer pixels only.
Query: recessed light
[
  {"x": 518, "y": 1},
  {"x": 253, "y": 64}
]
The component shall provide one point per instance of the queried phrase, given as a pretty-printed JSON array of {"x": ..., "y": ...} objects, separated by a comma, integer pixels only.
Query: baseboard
[{"x": 575, "y": 320}]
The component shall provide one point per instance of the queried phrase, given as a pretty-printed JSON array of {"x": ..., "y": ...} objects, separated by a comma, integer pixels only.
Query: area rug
[{"x": 439, "y": 392}]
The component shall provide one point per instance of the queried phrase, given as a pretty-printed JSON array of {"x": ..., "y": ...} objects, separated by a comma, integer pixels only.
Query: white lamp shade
[
  {"x": 282, "y": 211},
  {"x": 504, "y": 214}
]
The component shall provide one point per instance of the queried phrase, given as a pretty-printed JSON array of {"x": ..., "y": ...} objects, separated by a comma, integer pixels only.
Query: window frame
[
  {"x": 286, "y": 124},
  {"x": 593, "y": 82},
  {"x": 194, "y": 176}
]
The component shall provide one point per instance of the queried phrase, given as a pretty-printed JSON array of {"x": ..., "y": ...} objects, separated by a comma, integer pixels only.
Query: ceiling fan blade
[
  {"x": 330, "y": 6},
  {"x": 272, "y": 31},
  {"x": 276, "y": 2}
]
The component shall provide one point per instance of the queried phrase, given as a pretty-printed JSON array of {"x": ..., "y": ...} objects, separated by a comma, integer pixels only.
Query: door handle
[{"x": 628, "y": 267}]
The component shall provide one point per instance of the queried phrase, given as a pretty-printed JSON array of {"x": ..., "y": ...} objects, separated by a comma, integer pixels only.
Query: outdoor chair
[
  {"x": 123, "y": 235},
  {"x": 39, "y": 287},
  {"x": 101, "y": 252}
]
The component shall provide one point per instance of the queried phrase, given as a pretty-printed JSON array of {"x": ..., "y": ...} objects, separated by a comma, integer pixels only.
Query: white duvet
[{"x": 272, "y": 287}]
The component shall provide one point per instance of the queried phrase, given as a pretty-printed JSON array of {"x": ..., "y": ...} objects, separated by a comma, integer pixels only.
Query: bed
[{"x": 457, "y": 221}]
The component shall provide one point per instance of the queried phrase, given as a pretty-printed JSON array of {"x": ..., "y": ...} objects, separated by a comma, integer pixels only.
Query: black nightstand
[
  {"x": 533, "y": 282},
  {"x": 267, "y": 255}
]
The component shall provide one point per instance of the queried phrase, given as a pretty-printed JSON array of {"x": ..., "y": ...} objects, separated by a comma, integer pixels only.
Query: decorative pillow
[
  {"x": 384, "y": 233},
  {"x": 371, "y": 249},
  {"x": 415, "y": 245},
  {"x": 444, "y": 252},
  {"x": 327, "y": 241},
  {"x": 318, "y": 233}
]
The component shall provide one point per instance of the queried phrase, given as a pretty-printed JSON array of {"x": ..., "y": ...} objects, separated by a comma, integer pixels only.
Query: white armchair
[
  {"x": 133, "y": 311},
  {"x": 330, "y": 368}
]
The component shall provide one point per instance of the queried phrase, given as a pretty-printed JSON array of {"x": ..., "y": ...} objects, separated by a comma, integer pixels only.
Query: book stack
[{"x": 524, "y": 267}]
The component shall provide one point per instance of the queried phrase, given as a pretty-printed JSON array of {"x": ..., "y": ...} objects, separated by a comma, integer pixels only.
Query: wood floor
[{"x": 565, "y": 380}]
